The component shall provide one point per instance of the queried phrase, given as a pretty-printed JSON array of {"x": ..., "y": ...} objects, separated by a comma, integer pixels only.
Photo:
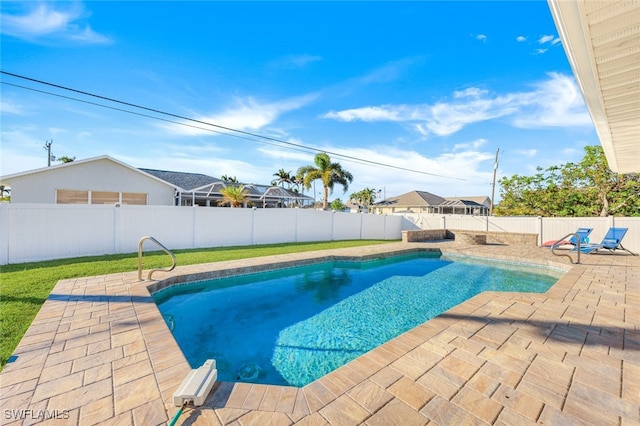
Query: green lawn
[{"x": 25, "y": 286}]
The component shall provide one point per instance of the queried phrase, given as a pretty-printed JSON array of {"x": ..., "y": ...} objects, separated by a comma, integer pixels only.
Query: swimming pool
[{"x": 293, "y": 326}]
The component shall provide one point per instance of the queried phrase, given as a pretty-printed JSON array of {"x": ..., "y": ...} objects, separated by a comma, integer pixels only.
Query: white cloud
[
  {"x": 87, "y": 35},
  {"x": 8, "y": 106},
  {"x": 520, "y": 39},
  {"x": 549, "y": 39},
  {"x": 472, "y": 92},
  {"x": 545, "y": 38},
  {"x": 539, "y": 51},
  {"x": 473, "y": 145},
  {"x": 553, "y": 102},
  {"x": 446, "y": 118},
  {"x": 43, "y": 21},
  {"x": 442, "y": 118},
  {"x": 462, "y": 171},
  {"x": 556, "y": 102},
  {"x": 481, "y": 37},
  {"x": 381, "y": 113},
  {"x": 245, "y": 114},
  {"x": 465, "y": 172}
]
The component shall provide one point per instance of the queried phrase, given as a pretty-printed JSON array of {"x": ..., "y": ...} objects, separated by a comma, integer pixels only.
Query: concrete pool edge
[{"x": 99, "y": 349}]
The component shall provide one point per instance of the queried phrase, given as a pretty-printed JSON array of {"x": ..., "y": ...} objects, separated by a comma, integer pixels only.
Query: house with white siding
[{"x": 105, "y": 180}]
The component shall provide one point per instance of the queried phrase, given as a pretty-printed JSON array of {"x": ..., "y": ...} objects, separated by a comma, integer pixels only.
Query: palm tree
[
  {"x": 329, "y": 173},
  {"x": 364, "y": 198},
  {"x": 283, "y": 177},
  {"x": 297, "y": 182},
  {"x": 235, "y": 196},
  {"x": 368, "y": 197},
  {"x": 229, "y": 179},
  {"x": 356, "y": 198}
]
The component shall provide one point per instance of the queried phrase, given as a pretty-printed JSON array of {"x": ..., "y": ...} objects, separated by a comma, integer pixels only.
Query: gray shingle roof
[
  {"x": 414, "y": 199},
  {"x": 184, "y": 181}
]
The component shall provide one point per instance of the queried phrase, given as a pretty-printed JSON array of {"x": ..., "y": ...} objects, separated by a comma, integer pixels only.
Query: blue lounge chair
[
  {"x": 583, "y": 234},
  {"x": 612, "y": 242}
]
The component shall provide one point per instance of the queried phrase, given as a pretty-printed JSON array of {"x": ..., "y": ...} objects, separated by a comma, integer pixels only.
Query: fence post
[
  {"x": 4, "y": 233},
  {"x": 539, "y": 223},
  {"x": 116, "y": 228},
  {"x": 333, "y": 219},
  {"x": 253, "y": 225},
  {"x": 384, "y": 228}
]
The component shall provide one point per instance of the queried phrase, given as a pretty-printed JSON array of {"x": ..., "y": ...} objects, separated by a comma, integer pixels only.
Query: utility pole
[
  {"x": 493, "y": 184},
  {"x": 47, "y": 146}
]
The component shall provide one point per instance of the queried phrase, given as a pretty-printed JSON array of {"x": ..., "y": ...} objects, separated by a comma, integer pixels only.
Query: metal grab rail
[
  {"x": 557, "y": 243},
  {"x": 166, "y": 250}
]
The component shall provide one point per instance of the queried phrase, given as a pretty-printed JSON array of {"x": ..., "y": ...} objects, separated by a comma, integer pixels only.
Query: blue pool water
[{"x": 293, "y": 326}]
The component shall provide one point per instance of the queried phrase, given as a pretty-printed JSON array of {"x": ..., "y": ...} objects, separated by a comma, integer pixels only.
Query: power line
[
  {"x": 301, "y": 149},
  {"x": 261, "y": 138},
  {"x": 136, "y": 113}
]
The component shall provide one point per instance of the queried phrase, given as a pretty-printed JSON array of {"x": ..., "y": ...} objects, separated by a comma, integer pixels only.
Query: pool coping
[{"x": 100, "y": 352}]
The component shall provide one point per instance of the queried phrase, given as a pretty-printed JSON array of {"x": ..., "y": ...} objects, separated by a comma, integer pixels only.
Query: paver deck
[{"x": 99, "y": 352}]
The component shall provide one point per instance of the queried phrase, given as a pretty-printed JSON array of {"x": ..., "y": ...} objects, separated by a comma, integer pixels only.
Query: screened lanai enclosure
[{"x": 259, "y": 196}]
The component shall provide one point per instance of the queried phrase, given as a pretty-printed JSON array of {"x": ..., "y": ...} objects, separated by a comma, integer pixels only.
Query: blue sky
[{"x": 435, "y": 87}]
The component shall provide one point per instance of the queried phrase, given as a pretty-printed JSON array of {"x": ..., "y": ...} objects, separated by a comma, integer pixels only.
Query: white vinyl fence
[
  {"x": 34, "y": 232},
  {"x": 547, "y": 228}
]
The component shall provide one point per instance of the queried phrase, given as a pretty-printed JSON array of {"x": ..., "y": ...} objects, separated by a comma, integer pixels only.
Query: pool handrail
[
  {"x": 166, "y": 250},
  {"x": 560, "y": 242}
]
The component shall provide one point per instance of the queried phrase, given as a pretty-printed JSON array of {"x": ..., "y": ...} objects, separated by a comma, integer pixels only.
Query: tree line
[{"x": 583, "y": 189}]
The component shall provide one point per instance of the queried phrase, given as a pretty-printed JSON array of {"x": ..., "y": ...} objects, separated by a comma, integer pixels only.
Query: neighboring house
[
  {"x": 105, "y": 180},
  {"x": 99, "y": 180},
  {"x": 426, "y": 202}
]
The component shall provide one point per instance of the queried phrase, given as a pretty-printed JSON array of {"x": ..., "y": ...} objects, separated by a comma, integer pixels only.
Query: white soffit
[{"x": 602, "y": 42}]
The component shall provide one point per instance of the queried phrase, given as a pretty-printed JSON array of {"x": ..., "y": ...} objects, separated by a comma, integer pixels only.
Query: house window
[
  {"x": 134, "y": 198},
  {"x": 103, "y": 197},
  {"x": 69, "y": 196}
]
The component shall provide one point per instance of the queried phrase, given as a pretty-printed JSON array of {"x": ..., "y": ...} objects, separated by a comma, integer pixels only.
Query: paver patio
[{"x": 99, "y": 352}]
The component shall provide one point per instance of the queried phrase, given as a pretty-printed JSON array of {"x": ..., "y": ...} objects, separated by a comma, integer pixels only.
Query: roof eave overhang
[{"x": 571, "y": 19}]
